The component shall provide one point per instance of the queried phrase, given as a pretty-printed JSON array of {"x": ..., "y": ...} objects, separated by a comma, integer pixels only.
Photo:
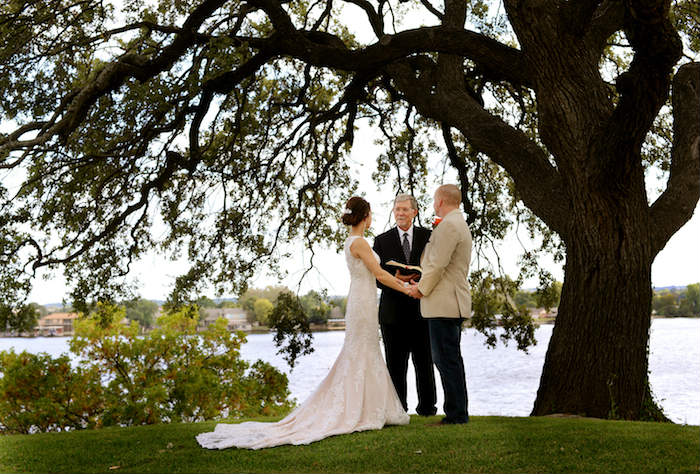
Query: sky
[{"x": 677, "y": 264}]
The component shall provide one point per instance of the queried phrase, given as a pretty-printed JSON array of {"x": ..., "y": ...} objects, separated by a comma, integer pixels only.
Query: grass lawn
[{"x": 485, "y": 445}]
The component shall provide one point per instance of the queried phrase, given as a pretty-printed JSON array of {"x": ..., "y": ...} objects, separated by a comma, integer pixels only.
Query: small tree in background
[
  {"x": 262, "y": 309},
  {"x": 690, "y": 305},
  {"x": 20, "y": 320},
  {"x": 142, "y": 311},
  {"x": 316, "y": 306}
]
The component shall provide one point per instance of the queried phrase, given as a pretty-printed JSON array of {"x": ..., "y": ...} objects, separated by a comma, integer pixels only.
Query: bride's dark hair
[{"x": 356, "y": 210}]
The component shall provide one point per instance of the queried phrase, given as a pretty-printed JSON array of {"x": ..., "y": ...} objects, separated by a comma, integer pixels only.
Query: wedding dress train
[{"x": 356, "y": 395}]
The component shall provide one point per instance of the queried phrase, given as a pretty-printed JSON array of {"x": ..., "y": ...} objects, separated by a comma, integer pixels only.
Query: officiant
[{"x": 404, "y": 331}]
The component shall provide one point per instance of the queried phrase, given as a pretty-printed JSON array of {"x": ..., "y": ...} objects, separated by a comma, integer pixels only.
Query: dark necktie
[{"x": 406, "y": 248}]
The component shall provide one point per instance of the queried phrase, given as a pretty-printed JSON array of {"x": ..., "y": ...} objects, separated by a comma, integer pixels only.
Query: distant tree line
[
  {"x": 259, "y": 303},
  {"x": 548, "y": 297},
  {"x": 317, "y": 306},
  {"x": 677, "y": 302},
  {"x": 671, "y": 302}
]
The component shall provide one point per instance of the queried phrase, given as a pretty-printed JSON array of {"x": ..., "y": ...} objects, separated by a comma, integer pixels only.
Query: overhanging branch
[
  {"x": 676, "y": 205},
  {"x": 536, "y": 180}
]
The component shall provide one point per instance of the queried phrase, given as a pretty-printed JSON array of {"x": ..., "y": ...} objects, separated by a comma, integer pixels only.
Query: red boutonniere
[{"x": 436, "y": 221}]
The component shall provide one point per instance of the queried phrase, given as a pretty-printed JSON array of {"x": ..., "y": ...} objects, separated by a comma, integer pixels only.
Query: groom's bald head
[{"x": 450, "y": 193}]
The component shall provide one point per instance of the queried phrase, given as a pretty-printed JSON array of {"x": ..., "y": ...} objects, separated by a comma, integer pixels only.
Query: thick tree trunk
[{"x": 597, "y": 360}]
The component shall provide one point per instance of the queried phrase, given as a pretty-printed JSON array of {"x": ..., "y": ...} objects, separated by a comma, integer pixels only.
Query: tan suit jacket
[{"x": 445, "y": 264}]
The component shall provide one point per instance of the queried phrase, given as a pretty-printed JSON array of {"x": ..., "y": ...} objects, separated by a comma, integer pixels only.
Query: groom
[
  {"x": 404, "y": 332},
  {"x": 445, "y": 298}
]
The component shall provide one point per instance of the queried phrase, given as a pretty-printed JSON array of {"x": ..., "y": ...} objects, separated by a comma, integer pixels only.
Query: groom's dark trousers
[
  {"x": 445, "y": 338},
  {"x": 404, "y": 332}
]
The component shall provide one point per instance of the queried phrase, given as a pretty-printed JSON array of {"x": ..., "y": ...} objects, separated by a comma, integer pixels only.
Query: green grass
[{"x": 486, "y": 444}]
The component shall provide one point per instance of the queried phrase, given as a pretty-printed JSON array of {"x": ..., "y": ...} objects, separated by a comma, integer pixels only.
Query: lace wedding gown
[{"x": 356, "y": 395}]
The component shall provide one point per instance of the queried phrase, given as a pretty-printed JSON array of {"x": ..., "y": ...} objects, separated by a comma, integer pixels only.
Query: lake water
[{"x": 501, "y": 381}]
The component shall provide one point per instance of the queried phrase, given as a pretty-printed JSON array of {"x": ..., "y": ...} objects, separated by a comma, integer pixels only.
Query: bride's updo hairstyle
[{"x": 356, "y": 210}]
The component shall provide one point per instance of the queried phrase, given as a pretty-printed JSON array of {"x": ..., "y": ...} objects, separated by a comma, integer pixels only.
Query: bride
[{"x": 357, "y": 394}]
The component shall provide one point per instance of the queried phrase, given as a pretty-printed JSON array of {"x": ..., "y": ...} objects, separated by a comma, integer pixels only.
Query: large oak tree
[{"x": 228, "y": 123}]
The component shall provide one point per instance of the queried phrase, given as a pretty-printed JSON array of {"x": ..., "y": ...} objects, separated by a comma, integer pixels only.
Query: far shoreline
[{"x": 316, "y": 328}]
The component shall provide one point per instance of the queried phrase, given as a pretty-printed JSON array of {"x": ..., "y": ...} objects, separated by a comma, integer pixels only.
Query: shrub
[
  {"x": 172, "y": 373},
  {"x": 40, "y": 393}
]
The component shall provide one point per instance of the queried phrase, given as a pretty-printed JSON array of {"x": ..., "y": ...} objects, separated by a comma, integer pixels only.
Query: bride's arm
[{"x": 360, "y": 249}]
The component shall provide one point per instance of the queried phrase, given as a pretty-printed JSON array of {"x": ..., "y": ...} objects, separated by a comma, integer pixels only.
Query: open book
[{"x": 412, "y": 268}]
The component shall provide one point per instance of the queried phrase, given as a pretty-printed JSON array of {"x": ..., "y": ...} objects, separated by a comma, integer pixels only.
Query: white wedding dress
[{"x": 356, "y": 395}]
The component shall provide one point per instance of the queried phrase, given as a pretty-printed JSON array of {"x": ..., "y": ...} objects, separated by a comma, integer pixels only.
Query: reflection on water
[{"x": 501, "y": 381}]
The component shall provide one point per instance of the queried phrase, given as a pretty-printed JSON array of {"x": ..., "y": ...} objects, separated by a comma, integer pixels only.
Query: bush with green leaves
[
  {"x": 171, "y": 374},
  {"x": 41, "y": 393}
]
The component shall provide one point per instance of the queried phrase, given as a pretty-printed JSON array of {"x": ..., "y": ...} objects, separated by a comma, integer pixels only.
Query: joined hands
[
  {"x": 410, "y": 284},
  {"x": 413, "y": 290}
]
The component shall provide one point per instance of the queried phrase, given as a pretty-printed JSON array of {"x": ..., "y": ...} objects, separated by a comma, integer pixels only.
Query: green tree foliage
[
  {"x": 316, "y": 306},
  {"x": 22, "y": 319},
  {"x": 251, "y": 295},
  {"x": 666, "y": 303},
  {"x": 170, "y": 374},
  {"x": 690, "y": 304},
  {"x": 292, "y": 332},
  {"x": 548, "y": 292},
  {"x": 525, "y": 298},
  {"x": 492, "y": 298},
  {"x": 678, "y": 302},
  {"x": 205, "y": 302},
  {"x": 227, "y": 304},
  {"x": 142, "y": 311},
  {"x": 40, "y": 393},
  {"x": 262, "y": 308}
]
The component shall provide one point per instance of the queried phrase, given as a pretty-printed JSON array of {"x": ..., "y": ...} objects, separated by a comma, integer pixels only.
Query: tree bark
[
  {"x": 597, "y": 360},
  {"x": 596, "y": 363}
]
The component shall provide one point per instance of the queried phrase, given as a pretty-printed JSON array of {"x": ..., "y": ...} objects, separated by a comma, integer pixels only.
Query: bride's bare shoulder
[{"x": 358, "y": 246}]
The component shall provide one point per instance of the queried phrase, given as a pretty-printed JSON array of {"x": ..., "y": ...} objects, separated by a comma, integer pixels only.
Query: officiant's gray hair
[{"x": 406, "y": 197}]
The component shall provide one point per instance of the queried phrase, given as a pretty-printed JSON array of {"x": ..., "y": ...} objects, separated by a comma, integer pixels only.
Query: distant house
[
  {"x": 236, "y": 317},
  {"x": 336, "y": 319},
  {"x": 56, "y": 324},
  {"x": 336, "y": 324},
  {"x": 541, "y": 314}
]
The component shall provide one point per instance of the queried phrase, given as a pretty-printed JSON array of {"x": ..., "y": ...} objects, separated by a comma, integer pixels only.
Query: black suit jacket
[{"x": 395, "y": 307}]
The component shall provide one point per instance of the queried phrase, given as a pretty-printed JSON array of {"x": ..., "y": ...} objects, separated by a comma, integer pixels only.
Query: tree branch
[
  {"x": 320, "y": 49},
  {"x": 459, "y": 163},
  {"x": 676, "y": 205},
  {"x": 536, "y": 179},
  {"x": 114, "y": 74},
  {"x": 607, "y": 19},
  {"x": 494, "y": 59},
  {"x": 375, "y": 20},
  {"x": 644, "y": 86},
  {"x": 576, "y": 16},
  {"x": 174, "y": 162},
  {"x": 429, "y": 6}
]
